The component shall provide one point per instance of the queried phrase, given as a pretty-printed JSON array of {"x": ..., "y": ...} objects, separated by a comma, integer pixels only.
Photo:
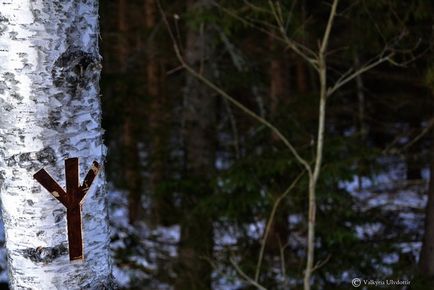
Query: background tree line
[{"x": 214, "y": 199}]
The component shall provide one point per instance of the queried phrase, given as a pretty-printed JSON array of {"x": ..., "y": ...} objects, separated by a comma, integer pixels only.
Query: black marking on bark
[
  {"x": 8, "y": 107},
  {"x": 39, "y": 233},
  {"x": 30, "y": 202},
  {"x": 23, "y": 157},
  {"x": 13, "y": 35},
  {"x": 2, "y": 178},
  {"x": 53, "y": 120},
  {"x": 71, "y": 70},
  {"x": 59, "y": 96},
  {"x": 45, "y": 254},
  {"x": 35, "y": 189},
  {"x": 11, "y": 85},
  {"x": 10, "y": 77},
  {"x": 3, "y": 24},
  {"x": 46, "y": 156},
  {"x": 11, "y": 162},
  {"x": 3, "y": 87},
  {"x": 17, "y": 96},
  {"x": 26, "y": 161},
  {"x": 58, "y": 215},
  {"x": 108, "y": 283},
  {"x": 37, "y": 15}
]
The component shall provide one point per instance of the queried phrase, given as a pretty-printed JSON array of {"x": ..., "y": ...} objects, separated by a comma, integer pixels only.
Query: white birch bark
[{"x": 50, "y": 111}]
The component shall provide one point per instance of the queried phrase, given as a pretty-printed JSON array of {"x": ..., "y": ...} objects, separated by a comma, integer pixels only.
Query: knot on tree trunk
[
  {"x": 45, "y": 254},
  {"x": 75, "y": 68}
]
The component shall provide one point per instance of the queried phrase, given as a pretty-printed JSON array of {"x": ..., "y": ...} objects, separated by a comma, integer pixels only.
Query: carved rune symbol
[{"x": 71, "y": 199}]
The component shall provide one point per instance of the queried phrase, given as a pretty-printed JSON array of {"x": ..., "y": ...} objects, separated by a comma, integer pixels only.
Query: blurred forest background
[
  {"x": 205, "y": 196},
  {"x": 198, "y": 178}
]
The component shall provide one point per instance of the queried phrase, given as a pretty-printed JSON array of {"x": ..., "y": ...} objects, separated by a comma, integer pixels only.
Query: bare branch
[
  {"x": 321, "y": 263},
  {"x": 270, "y": 222},
  {"x": 246, "y": 277},
  {"x": 429, "y": 126},
  {"x": 243, "y": 108},
  {"x": 257, "y": 8},
  {"x": 232, "y": 100},
  {"x": 304, "y": 52},
  {"x": 356, "y": 73},
  {"x": 325, "y": 40}
]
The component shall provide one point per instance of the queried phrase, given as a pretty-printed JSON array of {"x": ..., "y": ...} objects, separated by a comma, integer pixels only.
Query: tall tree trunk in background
[
  {"x": 50, "y": 111},
  {"x": 361, "y": 121},
  {"x": 129, "y": 134},
  {"x": 279, "y": 95},
  {"x": 302, "y": 76},
  {"x": 158, "y": 118},
  {"x": 426, "y": 261},
  {"x": 197, "y": 238}
]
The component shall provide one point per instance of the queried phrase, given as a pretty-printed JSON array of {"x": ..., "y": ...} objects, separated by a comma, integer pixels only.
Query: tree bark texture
[{"x": 50, "y": 111}]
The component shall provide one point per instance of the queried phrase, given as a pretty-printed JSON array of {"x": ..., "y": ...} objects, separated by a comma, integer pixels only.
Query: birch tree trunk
[{"x": 50, "y": 111}]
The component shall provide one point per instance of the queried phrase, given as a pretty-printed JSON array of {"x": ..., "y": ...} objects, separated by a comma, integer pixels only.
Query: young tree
[
  {"x": 50, "y": 111},
  {"x": 317, "y": 60}
]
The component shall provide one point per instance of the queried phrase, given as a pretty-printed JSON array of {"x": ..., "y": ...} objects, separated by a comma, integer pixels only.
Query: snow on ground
[
  {"x": 390, "y": 191},
  {"x": 384, "y": 190},
  {"x": 144, "y": 248}
]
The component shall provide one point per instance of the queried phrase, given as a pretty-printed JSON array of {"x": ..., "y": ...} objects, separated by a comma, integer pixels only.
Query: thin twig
[
  {"x": 257, "y": 8},
  {"x": 420, "y": 135},
  {"x": 246, "y": 277},
  {"x": 232, "y": 100},
  {"x": 269, "y": 223},
  {"x": 321, "y": 263},
  {"x": 325, "y": 40},
  {"x": 243, "y": 108},
  {"x": 299, "y": 49},
  {"x": 360, "y": 71},
  {"x": 304, "y": 52}
]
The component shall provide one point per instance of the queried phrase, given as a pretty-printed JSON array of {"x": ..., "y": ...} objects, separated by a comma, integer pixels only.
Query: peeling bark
[{"x": 50, "y": 111}]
